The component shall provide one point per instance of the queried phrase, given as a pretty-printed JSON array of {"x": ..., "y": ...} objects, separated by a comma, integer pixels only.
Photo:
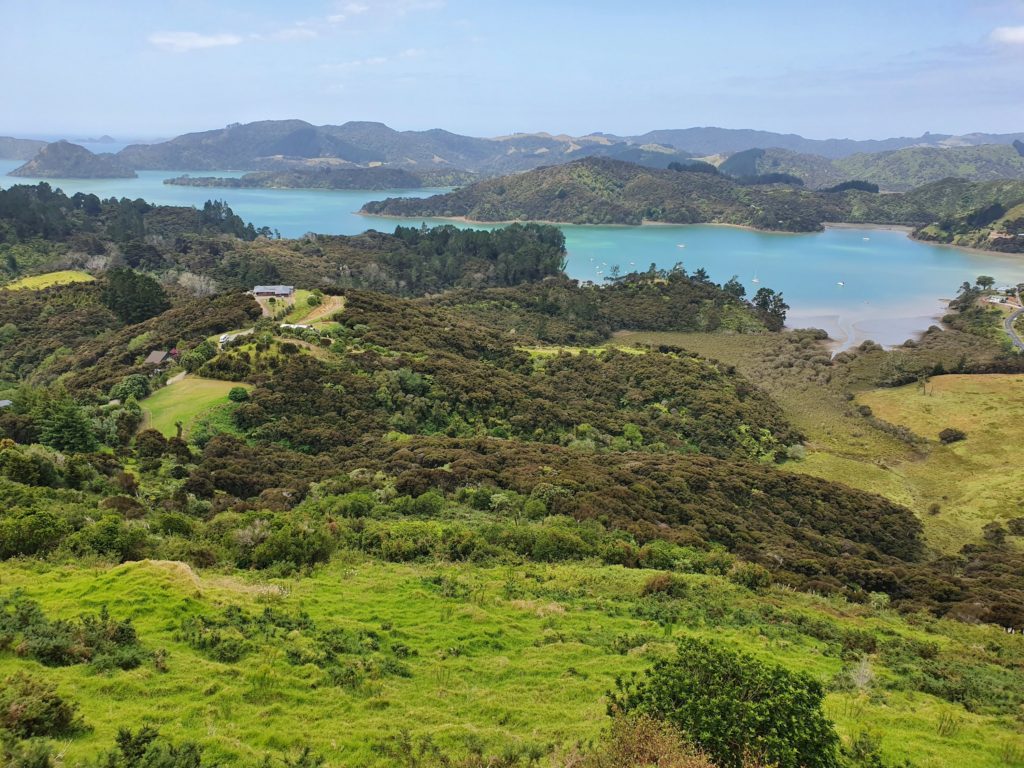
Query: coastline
[
  {"x": 851, "y": 225},
  {"x": 905, "y": 229},
  {"x": 644, "y": 223}
]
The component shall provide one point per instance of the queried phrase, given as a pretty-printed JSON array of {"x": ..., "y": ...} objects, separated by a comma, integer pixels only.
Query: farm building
[
  {"x": 158, "y": 357},
  {"x": 277, "y": 291}
]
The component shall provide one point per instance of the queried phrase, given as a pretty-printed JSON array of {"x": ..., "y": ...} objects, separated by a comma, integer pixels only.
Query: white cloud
[
  {"x": 354, "y": 64},
  {"x": 1009, "y": 35},
  {"x": 181, "y": 42},
  {"x": 300, "y": 31}
]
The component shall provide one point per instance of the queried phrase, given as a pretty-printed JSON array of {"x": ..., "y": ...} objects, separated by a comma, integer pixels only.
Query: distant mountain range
[
  {"x": 287, "y": 145},
  {"x": 702, "y": 142},
  {"x": 265, "y": 145}
]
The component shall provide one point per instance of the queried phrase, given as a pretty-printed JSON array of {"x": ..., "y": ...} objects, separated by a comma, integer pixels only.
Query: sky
[{"x": 865, "y": 69}]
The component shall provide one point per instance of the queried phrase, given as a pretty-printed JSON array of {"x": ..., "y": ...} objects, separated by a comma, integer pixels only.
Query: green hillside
[
  {"x": 443, "y": 519},
  {"x": 898, "y": 170},
  {"x": 904, "y": 169},
  {"x": 600, "y": 191},
  {"x": 609, "y": 192}
]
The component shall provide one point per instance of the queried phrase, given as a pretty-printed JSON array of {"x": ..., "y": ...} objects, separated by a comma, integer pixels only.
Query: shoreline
[
  {"x": 851, "y": 225},
  {"x": 826, "y": 225},
  {"x": 908, "y": 230}
]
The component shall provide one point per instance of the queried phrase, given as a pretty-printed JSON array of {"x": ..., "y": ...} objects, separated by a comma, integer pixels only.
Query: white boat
[
  {"x": 866, "y": 239},
  {"x": 756, "y": 280},
  {"x": 680, "y": 245},
  {"x": 840, "y": 283}
]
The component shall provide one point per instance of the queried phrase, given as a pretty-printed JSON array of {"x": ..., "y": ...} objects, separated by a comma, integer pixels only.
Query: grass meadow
[
  {"x": 184, "y": 400},
  {"x": 50, "y": 279},
  {"x": 497, "y": 655}
]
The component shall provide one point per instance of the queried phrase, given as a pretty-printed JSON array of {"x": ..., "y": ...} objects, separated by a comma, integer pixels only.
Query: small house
[
  {"x": 6, "y": 403},
  {"x": 158, "y": 357},
  {"x": 275, "y": 291}
]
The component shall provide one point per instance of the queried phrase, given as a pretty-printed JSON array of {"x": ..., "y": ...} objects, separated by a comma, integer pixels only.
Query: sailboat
[{"x": 756, "y": 280}]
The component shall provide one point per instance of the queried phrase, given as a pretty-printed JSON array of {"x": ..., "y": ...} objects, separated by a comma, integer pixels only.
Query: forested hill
[
  {"x": 603, "y": 191},
  {"x": 600, "y": 191},
  {"x": 41, "y": 212},
  {"x": 894, "y": 171}
]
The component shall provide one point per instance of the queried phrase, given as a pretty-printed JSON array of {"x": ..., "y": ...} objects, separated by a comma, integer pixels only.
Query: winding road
[{"x": 1008, "y": 322}]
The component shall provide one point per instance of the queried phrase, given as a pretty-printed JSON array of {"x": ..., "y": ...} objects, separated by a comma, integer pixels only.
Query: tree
[
  {"x": 733, "y": 706},
  {"x": 134, "y": 297},
  {"x": 735, "y": 288},
  {"x": 64, "y": 425},
  {"x": 134, "y": 385},
  {"x": 772, "y": 307},
  {"x": 238, "y": 394},
  {"x": 985, "y": 282}
]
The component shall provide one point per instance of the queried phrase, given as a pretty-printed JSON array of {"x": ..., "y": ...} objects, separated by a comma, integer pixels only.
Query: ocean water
[{"x": 855, "y": 283}]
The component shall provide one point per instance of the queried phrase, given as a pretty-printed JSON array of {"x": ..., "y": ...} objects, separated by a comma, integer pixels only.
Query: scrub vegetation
[{"x": 478, "y": 514}]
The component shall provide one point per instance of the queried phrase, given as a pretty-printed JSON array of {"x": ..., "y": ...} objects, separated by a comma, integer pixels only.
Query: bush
[
  {"x": 145, "y": 749},
  {"x": 952, "y": 435},
  {"x": 751, "y": 575},
  {"x": 641, "y": 741},
  {"x": 32, "y": 707},
  {"x": 134, "y": 385},
  {"x": 150, "y": 444},
  {"x": 666, "y": 584},
  {"x": 34, "y": 753},
  {"x": 733, "y": 707},
  {"x": 238, "y": 394},
  {"x": 98, "y": 639}
]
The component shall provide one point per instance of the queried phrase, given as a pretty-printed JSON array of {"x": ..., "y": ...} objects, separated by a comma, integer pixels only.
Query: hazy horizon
[{"x": 491, "y": 69}]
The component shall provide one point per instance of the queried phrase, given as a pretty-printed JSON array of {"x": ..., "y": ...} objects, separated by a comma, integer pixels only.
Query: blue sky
[{"x": 866, "y": 69}]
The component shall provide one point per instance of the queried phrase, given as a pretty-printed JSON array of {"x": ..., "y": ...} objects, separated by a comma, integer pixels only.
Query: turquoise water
[{"x": 893, "y": 286}]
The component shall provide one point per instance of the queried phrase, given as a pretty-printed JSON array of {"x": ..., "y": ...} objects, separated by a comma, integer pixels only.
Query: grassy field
[
  {"x": 38, "y": 282},
  {"x": 973, "y": 482},
  {"x": 977, "y": 480},
  {"x": 184, "y": 401},
  {"x": 506, "y": 655}
]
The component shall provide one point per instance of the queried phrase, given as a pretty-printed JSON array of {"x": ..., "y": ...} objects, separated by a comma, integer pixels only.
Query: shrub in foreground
[
  {"x": 734, "y": 707},
  {"x": 32, "y": 707}
]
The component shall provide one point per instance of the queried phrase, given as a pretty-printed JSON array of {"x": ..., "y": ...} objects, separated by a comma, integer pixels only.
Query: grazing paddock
[
  {"x": 50, "y": 279},
  {"x": 184, "y": 401}
]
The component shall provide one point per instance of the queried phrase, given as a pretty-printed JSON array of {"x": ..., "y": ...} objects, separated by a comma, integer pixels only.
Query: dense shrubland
[{"x": 440, "y": 434}]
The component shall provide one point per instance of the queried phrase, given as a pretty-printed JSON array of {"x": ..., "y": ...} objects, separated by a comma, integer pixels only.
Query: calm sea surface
[{"x": 854, "y": 283}]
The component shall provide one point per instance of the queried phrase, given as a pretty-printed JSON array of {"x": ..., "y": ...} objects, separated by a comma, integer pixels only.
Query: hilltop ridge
[{"x": 64, "y": 160}]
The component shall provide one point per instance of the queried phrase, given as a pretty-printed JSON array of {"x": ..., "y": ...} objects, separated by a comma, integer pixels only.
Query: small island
[{"x": 64, "y": 160}]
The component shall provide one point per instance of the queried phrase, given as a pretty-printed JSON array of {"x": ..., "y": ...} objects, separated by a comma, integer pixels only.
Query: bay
[{"x": 856, "y": 284}]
